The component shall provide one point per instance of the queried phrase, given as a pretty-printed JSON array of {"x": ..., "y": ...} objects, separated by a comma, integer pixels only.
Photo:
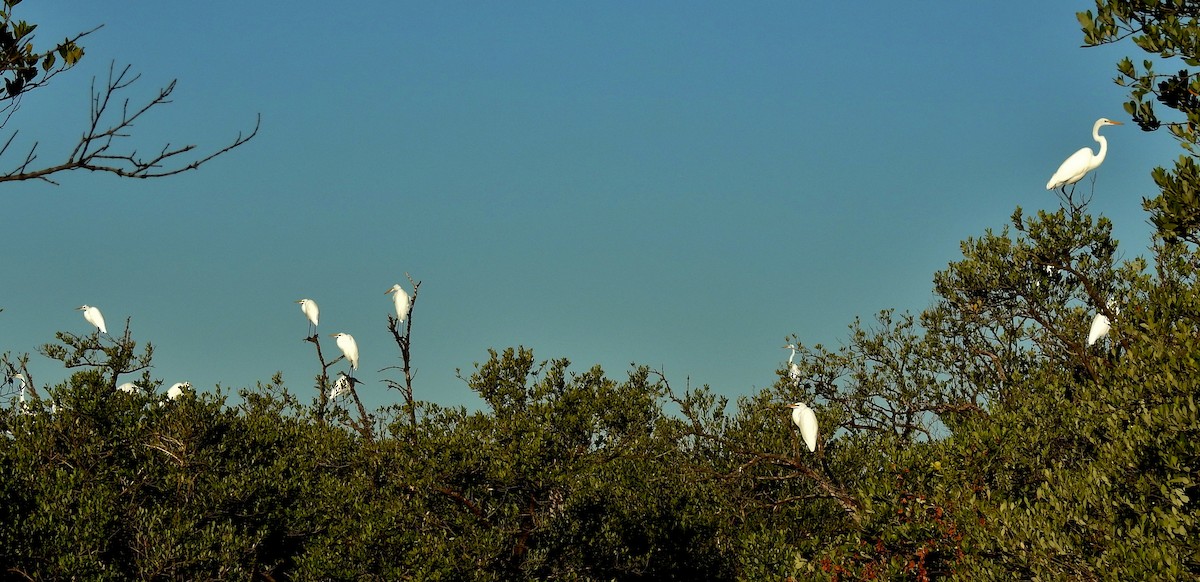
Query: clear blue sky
[{"x": 677, "y": 184}]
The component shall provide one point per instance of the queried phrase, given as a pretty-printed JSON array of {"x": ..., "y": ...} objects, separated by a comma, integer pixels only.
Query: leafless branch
[
  {"x": 403, "y": 340},
  {"x": 322, "y": 378},
  {"x": 96, "y": 149}
]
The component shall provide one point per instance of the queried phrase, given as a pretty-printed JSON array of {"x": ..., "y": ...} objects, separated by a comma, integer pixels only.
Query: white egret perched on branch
[
  {"x": 349, "y": 347},
  {"x": 806, "y": 421},
  {"x": 1082, "y": 161},
  {"x": 177, "y": 389},
  {"x": 311, "y": 311},
  {"x": 20, "y": 379},
  {"x": 92, "y": 315},
  {"x": 1101, "y": 325},
  {"x": 402, "y": 300},
  {"x": 129, "y": 388},
  {"x": 793, "y": 369},
  {"x": 342, "y": 385}
]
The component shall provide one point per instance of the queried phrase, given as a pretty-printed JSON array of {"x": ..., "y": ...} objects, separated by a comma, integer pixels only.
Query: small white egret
[
  {"x": 806, "y": 420},
  {"x": 349, "y": 347},
  {"x": 342, "y": 385},
  {"x": 1100, "y": 327},
  {"x": 793, "y": 369},
  {"x": 92, "y": 315},
  {"x": 129, "y": 388},
  {"x": 311, "y": 311},
  {"x": 402, "y": 300},
  {"x": 20, "y": 380},
  {"x": 1101, "y": 324},
  {"x": 177, "y": 389},
  {"x": 1083, "y": 161}
]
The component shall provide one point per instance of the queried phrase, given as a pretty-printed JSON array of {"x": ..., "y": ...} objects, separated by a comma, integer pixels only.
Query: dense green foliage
[{"x": 982, "y": 438}]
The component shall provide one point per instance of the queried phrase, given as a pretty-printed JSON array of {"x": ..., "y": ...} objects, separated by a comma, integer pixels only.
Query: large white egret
[
  {"x": 342, "y": 385},
  {"x": 793, "y": 369},
  {"x": 129, "y": 388},
  {"x": 806, "y": 421},
  {"x": 1082, "y": 161},
  {"x": 311, "y": 311},
  {"x": 177, "y": 389},
  {"x": 402, "y": 300},
  {"x": 1101, "y": 324},
  {"x": 92, "y": 315},
  {"x": 1100, "y": 327},
  {"x": 20, "y": 379},
  {"x": 349, "y": 347}
]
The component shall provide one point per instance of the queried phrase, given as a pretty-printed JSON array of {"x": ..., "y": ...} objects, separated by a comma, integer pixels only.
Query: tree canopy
[{"x": 983, "y": 437}]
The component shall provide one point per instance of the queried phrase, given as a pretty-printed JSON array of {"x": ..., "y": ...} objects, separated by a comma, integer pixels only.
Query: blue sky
[{"x": 681, "y": 185}]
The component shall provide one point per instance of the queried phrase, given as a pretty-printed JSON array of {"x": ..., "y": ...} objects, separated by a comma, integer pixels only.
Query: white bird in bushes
[
  {"x": 342, "y": 385},
  {"x": 176, "y": 390},
  {"x": 805, "y": 420},
  {"x": 793, "y": 369}
]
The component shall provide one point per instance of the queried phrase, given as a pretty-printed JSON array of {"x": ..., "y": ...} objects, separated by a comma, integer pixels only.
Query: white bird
[
  {"x": 1082, "y": 161},
  {"x": 793, "y": 369},
  {"x": 18, "y": 377},
  {"x": 342, "y": 385},
  {"x": 1100, "y": 327},
  {"x": 403, "y": 302},
  {"x": 1100, "y": 324},
  {"x": 806, "y": 420},
  {"x": 92, "y": 315},
  {"x": 349, "y": 347},
  {"x": 311, "y": 311},
  {"x": 129, "y": 388},
  {"x": 177, "y": 389}
]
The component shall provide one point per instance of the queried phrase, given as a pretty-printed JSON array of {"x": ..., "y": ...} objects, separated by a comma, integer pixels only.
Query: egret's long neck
[{"x": 1096, "y": 161}]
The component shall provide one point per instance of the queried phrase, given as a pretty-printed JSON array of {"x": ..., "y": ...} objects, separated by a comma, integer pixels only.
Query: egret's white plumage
[
  {"x": 1100, "y": 327},
  {"x": 341, "y": 386},
  {"x": 93, "y": 316},
  {"x": 806, "y": 420},
  {"x": 349, "y": 347},
  {"x": 1083, "y": 161},
  {"x": 793, "y": 369},
  {"x": 1101, "y": 324},
  {"x": 402, "y": 300},
  {"x": 129, "y": 388},
  {"x": 177, "y": 389},
  {"x": 310, "y": 310},
  {"x": 20, "y": 380}
]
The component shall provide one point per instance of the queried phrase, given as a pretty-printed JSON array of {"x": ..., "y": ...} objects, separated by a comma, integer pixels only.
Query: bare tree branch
[{"x": 97, "y": 149}]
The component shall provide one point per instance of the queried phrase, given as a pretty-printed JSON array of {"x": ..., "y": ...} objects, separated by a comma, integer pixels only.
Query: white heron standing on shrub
[
  {"x": 349, "y": 347},
  {"x": 1100, "y": 327},
  {"x": 19, "y": 378},
  {"x": 1083, "y": 161},
  {"x": 402, "y": 300},
  {"x": 805, "y": 420},
  {"x": 342, "y": 385},
  {"x": 177, "y": 389},
  {"x": 793, "y": 369},
  {"x": 1101, "y": 324},
  {"x": 93, "y": 316}
]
